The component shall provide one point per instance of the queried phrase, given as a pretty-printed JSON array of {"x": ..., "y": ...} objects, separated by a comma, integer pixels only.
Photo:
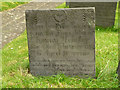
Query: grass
[
  {"x": 15, "y": 64},
  {"x": 117, "y": 15},
  {"x": 15, "y": 57},
  {"x": 62, "y": 6},
  {"x": 9, "y": 5}
]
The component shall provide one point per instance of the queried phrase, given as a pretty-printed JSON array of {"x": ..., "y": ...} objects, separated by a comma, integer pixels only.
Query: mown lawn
[
  {"x": 9, "y": 5},
  {"x": 15, "y": 64}
]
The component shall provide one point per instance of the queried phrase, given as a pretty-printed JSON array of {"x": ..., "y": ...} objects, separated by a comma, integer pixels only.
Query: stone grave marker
[
  {"x": 61, "y": 41},
  {"x": 118, "y": 68},
  {"x": 104, "y": 11}
]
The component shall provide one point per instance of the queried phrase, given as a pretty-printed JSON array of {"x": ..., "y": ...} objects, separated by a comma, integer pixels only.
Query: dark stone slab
[
  {"x": 105, "y": 11},
  {"x": 118, "y": 69},
  {"x": 61, "y": 41}
]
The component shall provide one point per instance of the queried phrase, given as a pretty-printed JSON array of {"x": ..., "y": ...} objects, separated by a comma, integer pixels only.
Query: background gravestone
[
  {"x": 105, "y": 11},
  {"x": 61, "y": 41},
  {"x": 118, "y": 69}
]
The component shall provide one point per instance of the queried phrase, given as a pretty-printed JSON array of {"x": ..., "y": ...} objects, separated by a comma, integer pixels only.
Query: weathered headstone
[
  {"x": 118, "y": 69},
  {"x": 105, "y": 11},
  {"x": 61, "y": 41}
]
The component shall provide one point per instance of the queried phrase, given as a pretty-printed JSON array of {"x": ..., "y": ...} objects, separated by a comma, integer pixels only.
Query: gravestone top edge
[
  {"x": 106, "y": 1},
  {"x": 61, "y": 9}
]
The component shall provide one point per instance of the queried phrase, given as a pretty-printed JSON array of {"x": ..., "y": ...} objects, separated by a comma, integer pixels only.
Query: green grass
[
  {"x": 9, "y": 5},
  {"x": 117, "y": 15},
  {"x": 15, "y": 64},
  {"x": 63, "y": 6}
]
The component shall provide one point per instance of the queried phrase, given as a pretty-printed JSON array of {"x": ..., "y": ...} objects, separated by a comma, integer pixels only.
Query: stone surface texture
[
  {"x": 61, "y": 41},
  {"x": 118, "y": 69},
  {"x": 13, "y": 21},
  {"x": 105, "y": 11}
]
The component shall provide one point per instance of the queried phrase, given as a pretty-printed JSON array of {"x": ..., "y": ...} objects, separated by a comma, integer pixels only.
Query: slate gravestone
[
  {"x": 61, "y": 41},
  {"x": 105, "y": 11}
]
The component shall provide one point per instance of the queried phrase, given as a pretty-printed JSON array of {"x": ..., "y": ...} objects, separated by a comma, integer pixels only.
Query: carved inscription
[
  {"x": 57, "y": 45},
  {"x": 60, "y": 18}
]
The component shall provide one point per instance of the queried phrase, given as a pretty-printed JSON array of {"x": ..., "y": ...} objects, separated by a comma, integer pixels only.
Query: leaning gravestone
[
  {"x": 105, "y": 11},
  {"x": 61, "y": 41}
]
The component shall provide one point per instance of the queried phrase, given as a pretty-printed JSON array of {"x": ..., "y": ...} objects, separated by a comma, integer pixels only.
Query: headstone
[
  {"x": 61, "y": 41},
  {"x": 118, "y": 69},
  {"x": 105, "y": 11}
]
